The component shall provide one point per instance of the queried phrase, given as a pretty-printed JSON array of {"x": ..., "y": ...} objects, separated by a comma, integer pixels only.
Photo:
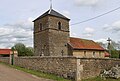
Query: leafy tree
[
  {"x": 114, "y": 53},
  {"x": 114, "y": 48},
  {"x": 23, "y": 50},
  {"x": 29, "y": 51}
]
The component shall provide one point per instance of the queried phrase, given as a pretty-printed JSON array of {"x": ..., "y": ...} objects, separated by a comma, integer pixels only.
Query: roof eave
[{"x": 88, "y": 49}]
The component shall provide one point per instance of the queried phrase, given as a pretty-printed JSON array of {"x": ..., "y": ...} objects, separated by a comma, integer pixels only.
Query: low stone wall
[
  {"x": 90, "y": 67},
  {"x": 61, "y": 66},
  {"x": 67, "y": 67},
  {"x": 5, "y": 60}
]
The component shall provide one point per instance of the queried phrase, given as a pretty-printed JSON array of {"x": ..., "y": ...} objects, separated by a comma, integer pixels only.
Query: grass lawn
[{"x": 39, "y": 74}]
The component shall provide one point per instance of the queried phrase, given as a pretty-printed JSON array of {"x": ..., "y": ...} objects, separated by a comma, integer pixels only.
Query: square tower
[{"x": 51, "y": 34}]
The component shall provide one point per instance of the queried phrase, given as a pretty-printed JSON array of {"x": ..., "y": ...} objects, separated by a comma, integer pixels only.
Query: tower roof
[{"x": 52, "y": 13}]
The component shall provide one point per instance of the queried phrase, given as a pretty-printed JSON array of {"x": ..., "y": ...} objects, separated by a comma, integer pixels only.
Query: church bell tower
[{"x": 51, "y": 34}]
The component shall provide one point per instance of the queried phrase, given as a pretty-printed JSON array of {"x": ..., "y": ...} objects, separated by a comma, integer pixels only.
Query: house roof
[
  {"x": 52, "y": 13},
  {"x": 78, "y": 43},
  {"x": 107, "y": 54},
  {"x": 5, "y": 51}
]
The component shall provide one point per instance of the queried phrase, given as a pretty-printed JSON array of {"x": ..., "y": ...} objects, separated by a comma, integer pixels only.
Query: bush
[{"x": 23, "y": 50}]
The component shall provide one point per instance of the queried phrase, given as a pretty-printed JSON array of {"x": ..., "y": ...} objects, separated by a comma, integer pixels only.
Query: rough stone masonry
[
  {"x": 51, "y": 34},
  {"x": 67, "y": 67}
]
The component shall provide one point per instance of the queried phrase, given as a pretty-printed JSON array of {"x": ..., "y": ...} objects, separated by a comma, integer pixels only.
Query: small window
[
  {"x": 45, "y": 46},
  {"x": 100, "y": 54},
  {"x": 40, "y": 26},
  {"x": 93, "y": 54},
  {"x": 59, "y": 25},
  {"x": 85, "y": 54},
  {"x": 62, "y": 52}
]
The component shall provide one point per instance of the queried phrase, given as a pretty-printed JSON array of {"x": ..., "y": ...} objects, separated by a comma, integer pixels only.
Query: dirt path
[{"x": 10, "y": 74}]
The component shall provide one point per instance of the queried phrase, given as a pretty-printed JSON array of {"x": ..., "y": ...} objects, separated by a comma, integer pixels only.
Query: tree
[
  {"x": 29, "y": 51},
  {"x": 114, "y": 48},
  {"x": 114, "y": 53},
  {"x": 23, "y": 50}
]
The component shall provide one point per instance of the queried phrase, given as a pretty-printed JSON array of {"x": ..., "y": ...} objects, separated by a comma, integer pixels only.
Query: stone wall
[
  {"x": 67, "y": 67},
  {"x": 5, "y": 60},
  {"x": 41, "y": 37},
  {"x": 89, "y": 53},
  {"x": 61, "y": 66},
  {"x": 92, "y": 67},
  {"x": 51, "y": 41}
]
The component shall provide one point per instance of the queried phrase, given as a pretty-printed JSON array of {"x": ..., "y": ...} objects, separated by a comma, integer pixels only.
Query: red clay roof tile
[
  {"x": 78, "y": 43},
  {"x": 107, "y": 54},
  {"x": 5, "y": 51}
]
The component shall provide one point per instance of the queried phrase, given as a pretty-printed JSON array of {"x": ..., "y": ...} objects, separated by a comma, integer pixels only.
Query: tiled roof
[
  {"x": 5, "y": 51},
  {"x": 52, "y": 13},
  {"x": 78, "y": 43},
  {"x": 107, "y": 54}
]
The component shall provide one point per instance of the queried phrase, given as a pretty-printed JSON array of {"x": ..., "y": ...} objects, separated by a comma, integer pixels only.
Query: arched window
[
  {"x": 59, "y": 25},
  {"x": 40, "y": 26}
]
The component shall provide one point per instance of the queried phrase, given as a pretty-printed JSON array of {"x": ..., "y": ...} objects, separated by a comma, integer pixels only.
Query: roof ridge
[
  {"x": 81, "y": 38},
  {"x": 4, "y": 49},
  {"x": 52, "y": 12}
]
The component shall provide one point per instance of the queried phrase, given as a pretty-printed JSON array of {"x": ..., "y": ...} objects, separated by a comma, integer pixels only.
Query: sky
[{"x": 16, "y": 18}]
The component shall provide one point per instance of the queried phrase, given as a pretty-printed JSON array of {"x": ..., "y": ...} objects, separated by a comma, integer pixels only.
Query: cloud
[
  {"x": 88, "y": 32},
  {"x": 66, "y": 13},
  {"x": 114, "y": 27},
  {"x": 88, "y": 35},
  {"x": 102, "y": 40},
  {"x": 74, "y": 35},
  {"x": 18, "y": 32},
  {"x": 86, "y": 2},
  {"x": 5, "y": 31}
]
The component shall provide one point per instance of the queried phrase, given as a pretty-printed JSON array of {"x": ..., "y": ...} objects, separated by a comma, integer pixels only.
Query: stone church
[{"x": 52, "y": 38}]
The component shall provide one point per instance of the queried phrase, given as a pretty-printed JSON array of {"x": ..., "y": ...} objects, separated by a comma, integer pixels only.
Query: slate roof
[
  {"x": 5, "y": 51},
  {"x": 83, "y": 44},
  {"x": 52, "y": 13}
]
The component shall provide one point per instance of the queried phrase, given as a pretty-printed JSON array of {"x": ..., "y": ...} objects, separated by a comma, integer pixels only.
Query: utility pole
[
  {"x": 109, "y": 43},
  {"x": 12, "y": 58}
]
